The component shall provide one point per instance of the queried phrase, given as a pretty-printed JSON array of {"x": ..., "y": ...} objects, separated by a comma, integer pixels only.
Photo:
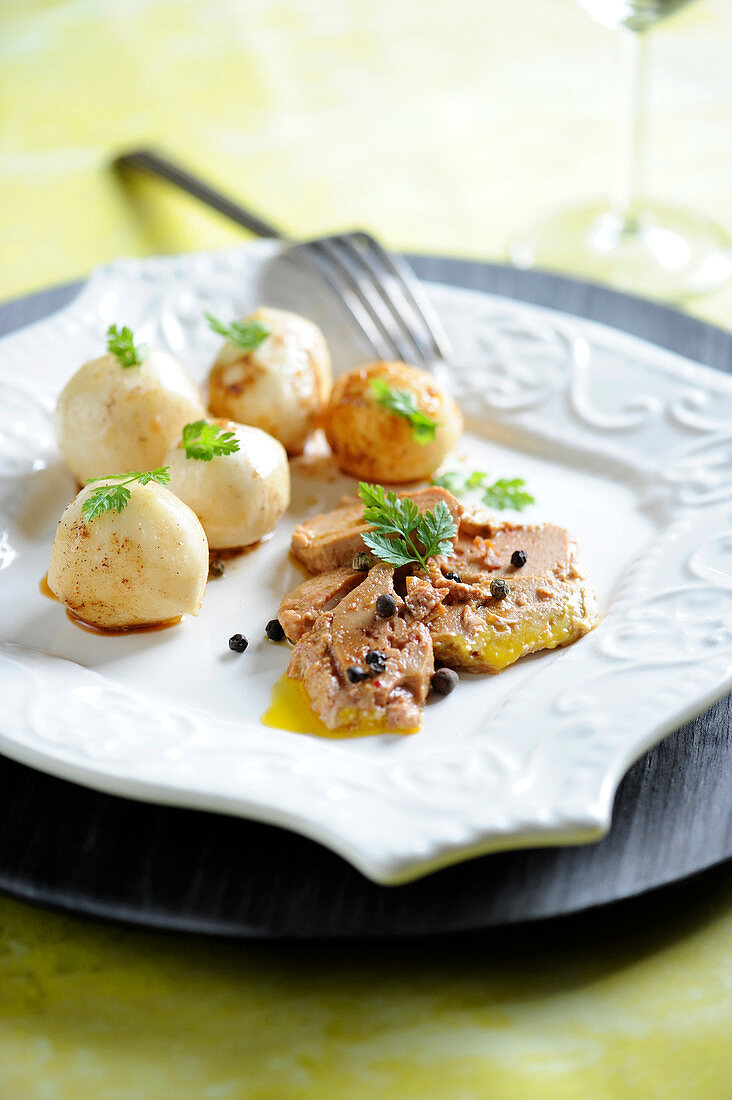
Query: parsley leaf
[
  {"x": 115, "y": 497},
  {"x": 121, "y": 343},
  {"x": 105, "y": 498},
  {"x": 160, "y": 474},
  {"x": 402, "y": 534},
  {"x": 247, "y": 334},
  {"x": 437, "y": 530},
  {"x": 507, "y": 494},
  {"x": 501, "y": 494},
  {"x": 404, "y": 404},
  {"x": 452, "y": 480},
  {"x": 390, "y": 550},
  {"x": 203, "y": 441}
]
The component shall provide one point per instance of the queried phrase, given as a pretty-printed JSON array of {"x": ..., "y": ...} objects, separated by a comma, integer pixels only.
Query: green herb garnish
[
  {"x": 501, "y": 494},
  {"x": 507, "y": 493},
  {"x": 404, "y": 404},
  {"x": 400, "y": 529},
  {"x": 121, "y": 343},
  {"x": 458, "y": 481},
  {"x": 203, "y": 441},
  {"x": 114, "y": 498},
  {"x": 247, "y": 334}
]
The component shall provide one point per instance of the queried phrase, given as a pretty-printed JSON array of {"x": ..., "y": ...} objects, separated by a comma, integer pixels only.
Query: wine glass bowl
[
  {"x": 651, "y": 248},
  {"x": 633, "y": 15}
]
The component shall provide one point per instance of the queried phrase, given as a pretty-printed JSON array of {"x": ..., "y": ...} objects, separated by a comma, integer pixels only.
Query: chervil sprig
[
  {"x": 402, "y": 534},
  {"x": 121, "y": 343},
  {"x": 247, "y": 334},
  {"x": 204, "y": 441},
  {"x": 115, "y": 497},
  {"x": 501, "y": 494},
  {"x": 507, "y": 493},
  {"x": 402, "y": 403}
]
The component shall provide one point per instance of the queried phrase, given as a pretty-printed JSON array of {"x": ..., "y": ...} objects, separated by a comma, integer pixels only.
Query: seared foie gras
[
  {"x": 300, "y": 608},
  {"x": 547, "y": 603},
  {"x": 333, "y": 539},
  {"x": 328, "y": 658}
]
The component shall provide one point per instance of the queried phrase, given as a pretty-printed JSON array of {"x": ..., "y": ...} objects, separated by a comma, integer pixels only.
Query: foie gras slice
[
  {"x": 332, "y": 539},
  {"x": 300, "y": 608},
  {"x": 548, "y": 603},
  {"x": 340, "y": 639}
]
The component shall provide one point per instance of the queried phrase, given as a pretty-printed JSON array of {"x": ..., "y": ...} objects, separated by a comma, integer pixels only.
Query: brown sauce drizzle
[
  {"x": 45, "y": 590},
  {"x": 306, "y": 574},
  {"x": 231, "y": 553},
  {"x": 143, "y": 628}
]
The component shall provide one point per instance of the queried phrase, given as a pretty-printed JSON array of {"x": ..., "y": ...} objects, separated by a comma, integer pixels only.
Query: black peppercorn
[
  {"x": 499, "y": 589},
  {"x": 518, "y": 558},
  {"x": 238, "y": 643},
  {"x": 453, "y": 577},
  {"x": 444, "y": 681},
  {"x": 356, "y": 674},
  {"x": 216, "y": 568},
  {"x": 274, "y": 630},
  {"x": 362, "y": 562},
  {"x": 376, "y": 660},
  {"x": 386, "y": 606}
]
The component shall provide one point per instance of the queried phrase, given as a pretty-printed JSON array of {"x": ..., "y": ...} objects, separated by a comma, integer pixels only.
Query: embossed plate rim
[{"x": 423, "y": 851}]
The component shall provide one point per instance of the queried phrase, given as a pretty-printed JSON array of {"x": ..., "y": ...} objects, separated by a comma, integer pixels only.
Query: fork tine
[
  {"x": 390, "y": 298},
  {"x": 369, "y": 303},
  {"x": 413, "y": 290},
  {"x": 328, "y": 250},
  {"x": 306, "y": 257}
]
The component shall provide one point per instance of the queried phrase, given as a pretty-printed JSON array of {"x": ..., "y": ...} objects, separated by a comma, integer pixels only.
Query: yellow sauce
[
  {"x": 290, "y": 710},
  {"x": 500, "y": 645}
]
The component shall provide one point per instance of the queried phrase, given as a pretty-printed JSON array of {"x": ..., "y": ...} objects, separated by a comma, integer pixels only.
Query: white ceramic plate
[{"x": 627, "y": 445}]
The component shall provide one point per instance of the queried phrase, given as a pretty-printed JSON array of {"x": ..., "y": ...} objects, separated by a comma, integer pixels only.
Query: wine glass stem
[{"x": 634, "y": 137}]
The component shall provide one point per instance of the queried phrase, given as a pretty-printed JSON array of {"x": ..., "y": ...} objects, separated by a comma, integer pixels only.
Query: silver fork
[{"x": 379, "y": 290}]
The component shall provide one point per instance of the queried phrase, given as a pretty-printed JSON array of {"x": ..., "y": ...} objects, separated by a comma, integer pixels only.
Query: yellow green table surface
[
  {"x": 629, "y": 1007},
  {"x": 443, "y": 126}
]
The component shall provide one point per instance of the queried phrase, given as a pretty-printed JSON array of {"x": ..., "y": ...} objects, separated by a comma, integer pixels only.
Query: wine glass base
[{"x": 652, "y": 249}]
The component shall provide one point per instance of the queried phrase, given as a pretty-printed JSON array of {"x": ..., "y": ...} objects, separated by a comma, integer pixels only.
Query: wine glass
[{"x": 642, "y": 246}]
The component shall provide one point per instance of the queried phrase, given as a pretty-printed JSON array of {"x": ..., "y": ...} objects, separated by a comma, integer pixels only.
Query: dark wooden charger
[{"x": 72, "y": 848}]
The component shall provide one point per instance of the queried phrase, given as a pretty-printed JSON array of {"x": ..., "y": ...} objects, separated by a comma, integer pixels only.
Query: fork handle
[{"x": 147, "y": 160}]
